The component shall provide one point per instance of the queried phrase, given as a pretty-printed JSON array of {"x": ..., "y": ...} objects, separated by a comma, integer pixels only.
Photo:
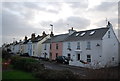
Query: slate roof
[
  {"x": 76, "y": 36},
  {"x": 98, "y": 34},
  {"x": 57, "y": 38}
]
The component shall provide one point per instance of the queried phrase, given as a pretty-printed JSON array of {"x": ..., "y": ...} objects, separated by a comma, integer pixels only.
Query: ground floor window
[
  {"x": 88, "y": 58},
  {"x": 69, "y": 56},
  {"x": 78, "y": 56}
]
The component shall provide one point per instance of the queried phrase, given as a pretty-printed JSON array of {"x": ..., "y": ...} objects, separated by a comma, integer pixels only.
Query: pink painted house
[
  {"x": 56, "y": 50},
  {"x": 53, "y": 47}
]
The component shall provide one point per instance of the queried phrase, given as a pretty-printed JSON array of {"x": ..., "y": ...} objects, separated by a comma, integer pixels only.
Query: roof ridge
[{"x": 92, "y": 29}]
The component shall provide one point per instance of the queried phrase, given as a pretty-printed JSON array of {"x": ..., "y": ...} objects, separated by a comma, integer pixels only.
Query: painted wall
[
  {"x": 45, "y": 51},
  {"x": 55, "y": 51},
  {"x": 95, "y": 52},
  {"x": 39, "y": 45},
  {"x": 110, "y": 49},
  {"x": 16, "y": 48}
]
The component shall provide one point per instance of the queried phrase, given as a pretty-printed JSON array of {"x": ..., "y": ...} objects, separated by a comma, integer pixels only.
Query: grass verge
[{"x": 17, "y": 74}]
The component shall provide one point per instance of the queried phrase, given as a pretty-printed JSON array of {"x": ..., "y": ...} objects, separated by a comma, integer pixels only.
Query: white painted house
[
  {"x": 35, "y": 44},
  {"x": 95, "y": 48},
  {"x": 46, "y": 49}
]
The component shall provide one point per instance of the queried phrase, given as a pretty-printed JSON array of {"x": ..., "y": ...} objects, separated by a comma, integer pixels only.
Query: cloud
[
  {"x": 82, "y": 4},
  {"x": 13, "y": 26},
  {"x": 106, "y": 6},
  {"x": 61, "y": 26}
]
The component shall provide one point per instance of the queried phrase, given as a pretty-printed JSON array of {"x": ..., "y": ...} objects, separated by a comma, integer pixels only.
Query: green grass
[{"x": 16, "y": 74}]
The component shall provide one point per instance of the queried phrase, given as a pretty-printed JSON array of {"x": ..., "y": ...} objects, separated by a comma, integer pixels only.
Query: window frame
[
  {"x": 89, "y": 58},
  {"x": 56, "y": 46},
  {"x": 88, "y": 45},
  {"x": 78, "y": 45}
]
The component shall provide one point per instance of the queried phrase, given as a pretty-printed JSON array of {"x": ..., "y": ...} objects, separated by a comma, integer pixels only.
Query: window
[
  {"x": 33, "y": 46},
  {"x": 50, "y": 46},
  {"x": 69, "y": 45},
  {"x": 108, "y": 34},
  {"x": 88, "y": 58},
  {"x": 56, "y": 46},
  {"x": 78, "y": 56},
  {"x": 77, "y": 34},
  {"x": 56, "y": 54},
  {"x": 82, "y": 34},
  {"x": 45, "y": 47},
  {"x": 78, "y": 45},
  {"x": 88, "y": 45},
  {"x": 69, "y": 56},
  {"x": 92, "y": 32}
]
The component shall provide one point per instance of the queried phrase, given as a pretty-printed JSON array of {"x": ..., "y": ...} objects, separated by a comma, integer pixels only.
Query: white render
[
  {"x": 101, "y": 56},
  {"x": 47, "y": 50},
  {"x": 35, "y": 49},
  {"x": 39, "y": 45}
]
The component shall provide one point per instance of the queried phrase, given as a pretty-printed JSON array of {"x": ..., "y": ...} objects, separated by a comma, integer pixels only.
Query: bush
[
  {"x": 26, "y": 64},
  {"x": 48, "y": 74},
  {"x": 5, "y": 55}
]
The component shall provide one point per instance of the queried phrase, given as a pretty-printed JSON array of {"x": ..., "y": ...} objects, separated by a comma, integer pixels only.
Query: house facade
[
  {"x": 94, "y": 48},
  {"x": 53, "y": 47},
  {"x": 35, "y": 44}
]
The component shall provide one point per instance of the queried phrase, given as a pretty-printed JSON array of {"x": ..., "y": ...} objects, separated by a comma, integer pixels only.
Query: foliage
[
  {"x": 5, "y": 55},
  {"x": 16, "y": 74},
  {"x": 48, "y": 74},
  {"x": 26, "y": 64}
]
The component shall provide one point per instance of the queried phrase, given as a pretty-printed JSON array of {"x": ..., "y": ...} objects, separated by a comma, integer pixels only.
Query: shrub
[
  {"x": 48, "y": 74},
  {"x": 27, "y": 64},
  {"x": 5, "y": 55}
]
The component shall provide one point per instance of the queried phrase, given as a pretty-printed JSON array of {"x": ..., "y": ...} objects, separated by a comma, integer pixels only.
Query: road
[{"x": 85, "y": 73}]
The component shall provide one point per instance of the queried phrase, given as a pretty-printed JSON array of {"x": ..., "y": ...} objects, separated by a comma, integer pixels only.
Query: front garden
[{"x": 16, "y": 67}]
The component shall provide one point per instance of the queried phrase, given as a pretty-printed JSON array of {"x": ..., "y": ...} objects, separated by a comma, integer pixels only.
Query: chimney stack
[
  {"x": 109, "y": 24},
  {"x": 25, "y": 38},
  {"x": 33, "y": 36},
  {"x": 44, "y": 34},
  {"x": 51, "y": 35},
  {"x": 71, "y": 31}
]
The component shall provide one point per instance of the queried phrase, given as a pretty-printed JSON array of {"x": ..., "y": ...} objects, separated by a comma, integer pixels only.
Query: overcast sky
[{"x": 20, "y": 19}]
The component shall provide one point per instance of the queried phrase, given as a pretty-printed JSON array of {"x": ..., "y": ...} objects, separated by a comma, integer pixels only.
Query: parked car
[{"x": 62, "y": 59}]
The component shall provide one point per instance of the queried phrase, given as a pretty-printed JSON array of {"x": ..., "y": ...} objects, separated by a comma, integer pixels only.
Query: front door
[{"x": 50, "y": 56}]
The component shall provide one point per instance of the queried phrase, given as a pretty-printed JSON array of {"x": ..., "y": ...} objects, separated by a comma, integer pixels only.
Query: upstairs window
[
  {"x": 77, "y": 34},
  {"x": 92, "y": 32},
  {"x": 69, "y": 45},
  {"x": 82, "y": 34},
  {"x": 78, "y": 45},
  {"x": 88, "y": 45},
  {"x": 56, "y": 46},
  {"x": 45, "y": 47},
  {"x": 108, "y": 34}
]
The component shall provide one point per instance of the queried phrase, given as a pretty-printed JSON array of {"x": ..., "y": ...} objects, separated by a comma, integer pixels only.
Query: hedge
[{"x": 26, "y": 64}]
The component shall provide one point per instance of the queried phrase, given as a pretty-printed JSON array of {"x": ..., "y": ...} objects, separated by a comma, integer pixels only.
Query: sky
[{"x": 22, "y": 18}]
